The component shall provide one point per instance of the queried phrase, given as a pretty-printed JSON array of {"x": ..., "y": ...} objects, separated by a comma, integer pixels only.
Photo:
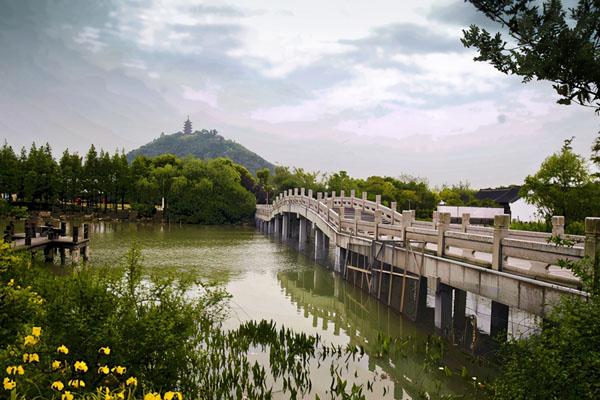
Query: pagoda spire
[{"x": 187, "y": 127}]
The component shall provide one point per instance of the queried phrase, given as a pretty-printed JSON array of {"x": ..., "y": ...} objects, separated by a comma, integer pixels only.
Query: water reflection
[{"x": 271, "y": 280}]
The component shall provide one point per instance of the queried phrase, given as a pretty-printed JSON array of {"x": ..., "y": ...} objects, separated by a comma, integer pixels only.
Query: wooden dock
[{"x": 51, "y": 240}]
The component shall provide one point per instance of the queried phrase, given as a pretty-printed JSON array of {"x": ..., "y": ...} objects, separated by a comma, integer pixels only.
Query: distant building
[
  {"x": 187, "y": 127},
  {"x": 511, "y": 201}
]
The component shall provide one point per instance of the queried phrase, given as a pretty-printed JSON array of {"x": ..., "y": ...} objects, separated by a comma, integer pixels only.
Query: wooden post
[
  {"x": 558, "y": 226},
  {"x": 465, "y": 221},
  {"x": 442, "y": 227},
  {"x": 501, "y": 224},
  {"x": 592, "y": 248}
]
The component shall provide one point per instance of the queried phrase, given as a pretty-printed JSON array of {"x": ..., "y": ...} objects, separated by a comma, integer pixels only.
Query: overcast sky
[{"x": 372, "y": 87}]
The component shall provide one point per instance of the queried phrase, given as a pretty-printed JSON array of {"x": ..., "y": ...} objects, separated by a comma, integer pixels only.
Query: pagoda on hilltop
[{"x": 187, "y": 127}]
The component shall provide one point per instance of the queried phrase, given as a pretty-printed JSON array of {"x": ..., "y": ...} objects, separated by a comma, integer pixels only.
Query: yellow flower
[
  {"x": 131, "y": 381},
  {"x": 173, "y": 396},
  {"x": 121, "y": 396},
  {"x": 31, "y": 357},
  {"x": 63, "y": 349},
  {"x": 11, "y": 282},
  {"x": 66, "y": 396},
  {"x": 14, "y": 370},
  {"x": 56, "y": 364},
  {"x": 58, "y": 385},
  {"x": 104, "y": 350},
  {"x": 30, "y": 340},
  {"x": 76, "y": 383},
  {"x": 152, "y": 396},
  {"x": 36, "y": 331},
  {"x": 81, "y": 366},
  {"x": 103, "y": 370},
  {"x": 119, "y": 370},
  {"x": 9, "y": 384}
]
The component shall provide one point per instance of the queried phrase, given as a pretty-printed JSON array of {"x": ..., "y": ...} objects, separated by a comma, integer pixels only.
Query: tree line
[{"x": 194, "y": 191}]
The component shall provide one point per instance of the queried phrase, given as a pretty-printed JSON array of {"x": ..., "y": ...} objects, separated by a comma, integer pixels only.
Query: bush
[
  {"x": 169, "y": 340},
  {"x": 144, "y": 210}
]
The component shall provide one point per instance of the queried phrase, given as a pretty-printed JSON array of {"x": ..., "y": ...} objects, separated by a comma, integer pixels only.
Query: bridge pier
[
  {"x": 459, "y": 319},
  {"x": 285, "y": 228},
  {"x": 340, "y": 257},
  {"x": 302, "y": 233},
  {"x": 443, "y": 307},
  {"x": 499, "y": 320}
]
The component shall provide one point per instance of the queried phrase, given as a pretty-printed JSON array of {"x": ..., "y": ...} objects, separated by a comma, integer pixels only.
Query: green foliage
[
  {"x": 546, "y": 43},
  {"x": 166, "y": 337},
  {"x": 533, "y": 226},
  {"x": 202, "y": 144},
  {"x": 562, "y": 186},
  {"x": 561, "y": 362}
]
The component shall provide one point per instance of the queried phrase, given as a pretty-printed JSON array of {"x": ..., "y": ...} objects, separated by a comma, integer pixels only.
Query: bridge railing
[{"x": 521, "y": 252}]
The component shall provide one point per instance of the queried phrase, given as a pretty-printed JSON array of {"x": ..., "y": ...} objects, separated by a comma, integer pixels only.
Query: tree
[
  {"x": 562, "y": 186},
  {"x": 546, "y": 43},
  {"x": 9, "y": 170},
  {"x": 71, "y": 168}
]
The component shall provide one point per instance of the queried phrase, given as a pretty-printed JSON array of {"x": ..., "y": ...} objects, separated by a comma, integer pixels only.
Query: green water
[{"x": 270, "y": 280}]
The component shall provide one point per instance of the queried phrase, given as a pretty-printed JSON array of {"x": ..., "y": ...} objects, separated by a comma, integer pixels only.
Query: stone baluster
[
  {"x": 442, "y": 226},
  {"x": 465, "y": 221},
  {"x": 558, "y": 226},
  {"x": 501, "y": 224}
]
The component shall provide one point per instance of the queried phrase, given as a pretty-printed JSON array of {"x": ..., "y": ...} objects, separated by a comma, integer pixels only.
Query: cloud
[
  {"x": 208, "y": 96},
  {"x": 89, "y": 37},
  {"x": 405, "y": 38}
]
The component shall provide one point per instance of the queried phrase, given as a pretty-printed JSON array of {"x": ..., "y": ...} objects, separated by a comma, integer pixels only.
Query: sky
[{"x": 382, "y": 87}]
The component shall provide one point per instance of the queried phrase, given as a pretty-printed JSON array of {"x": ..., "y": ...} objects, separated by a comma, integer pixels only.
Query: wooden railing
[{"x": 525, "y": 253}]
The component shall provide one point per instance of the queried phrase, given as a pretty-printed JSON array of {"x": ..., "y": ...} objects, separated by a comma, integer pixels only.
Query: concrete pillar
[
  {"x": 459, "y": 319},
  {"x": 325, "y": 248},
  {"x": 285, "y": 229},
  {"x": 592, "y": 248},
  {"x": 499, "y": 320},
  {"x": 443, "y": 307},
  {"x": 501, "y": 224},
  {"x": 302, "y": 233},
  {"x": 340, "y": 258},
  {"x": 318, "y": 243},
  {"x": 422, "y": 300},
  {"x": 465, "y": 221},
  {"x": 558, "y": 226},
  {"x": 442, "y": 227}
]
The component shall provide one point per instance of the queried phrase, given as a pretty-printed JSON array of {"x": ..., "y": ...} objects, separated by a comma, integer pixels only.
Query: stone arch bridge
[{"x": 397, "y": 258}]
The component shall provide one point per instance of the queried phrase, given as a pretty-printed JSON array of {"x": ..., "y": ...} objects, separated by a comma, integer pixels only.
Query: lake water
[{"x": 271, "y": 280}]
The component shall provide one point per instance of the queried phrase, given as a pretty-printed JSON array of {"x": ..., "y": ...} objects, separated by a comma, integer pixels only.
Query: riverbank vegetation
[{"x": 119, "y": 333}]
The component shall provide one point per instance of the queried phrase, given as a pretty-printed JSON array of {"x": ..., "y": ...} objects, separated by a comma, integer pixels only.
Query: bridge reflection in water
[{"x": 336, "y": 305}]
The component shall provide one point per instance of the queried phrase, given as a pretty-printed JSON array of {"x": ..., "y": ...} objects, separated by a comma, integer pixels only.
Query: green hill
[{"x": 202, "y": 144}]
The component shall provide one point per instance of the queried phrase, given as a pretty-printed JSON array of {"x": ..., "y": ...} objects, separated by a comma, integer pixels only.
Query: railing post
[
  {"x": 353, "y": 193},
  {"x": 393, "y": 206},
  {"x": 435, "y": 218},
  {"x": 364, "y": 199},
  {"x": 295, "y": 191},
  {"x": 341, "y": 216},
  {"x": 310, "y": 193},
  {"x": 302, "y": 192},
  {"x": 442, "y": 226},
  {"x": 406, "y": 223},
  {"x": 465, "y": 221},
  {"x": 356, "y": 219},
  {"x": 501, "y": 224},
  {"x": 377, "y": 222},
  {"x": 377, "y": 201},
  {"x": 558, "y": 226},
  {"x": 592, "y": 248}
]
